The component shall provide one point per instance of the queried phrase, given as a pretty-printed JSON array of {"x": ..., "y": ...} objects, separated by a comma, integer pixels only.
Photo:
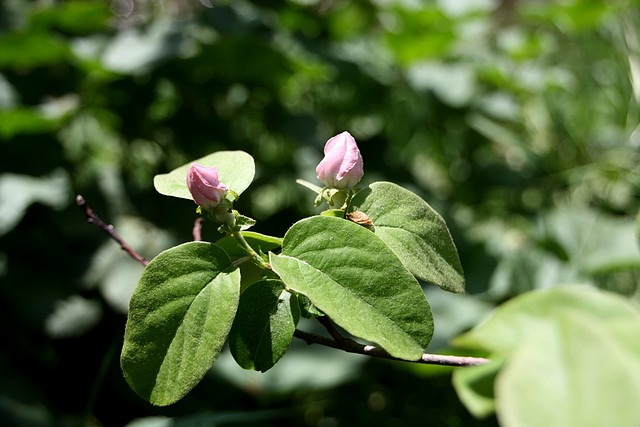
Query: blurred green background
[{"x": 516, "y": 119}]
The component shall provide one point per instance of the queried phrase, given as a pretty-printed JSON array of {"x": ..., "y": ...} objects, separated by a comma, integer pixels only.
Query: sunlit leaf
[
  {"x": 179, "y": 318},
  {"x": 415, "y": 232},
  {"x": 235, "y": 170},
  {"x": 353, "y": 277}
]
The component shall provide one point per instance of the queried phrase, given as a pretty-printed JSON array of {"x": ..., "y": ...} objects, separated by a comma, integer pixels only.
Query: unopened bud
[
  {"x": 205, "y": 188},
  {"x": 342, "y": 163}
]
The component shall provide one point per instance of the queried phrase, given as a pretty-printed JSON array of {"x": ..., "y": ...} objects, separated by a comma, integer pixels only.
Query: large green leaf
[
  {"x": 353, "y": 277},
  {"x": 414, "y": 231},
  {"x": 179, "y": 318},
  {"x": 572, "y": 358},
  {"x": 264, "y": 325},
  {"x": 235, "y": 170}
]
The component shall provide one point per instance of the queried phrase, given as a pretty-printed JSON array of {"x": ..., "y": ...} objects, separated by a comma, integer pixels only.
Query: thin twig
[
  {"x": 351, "y": 346},
  {"x": 328, "y": 325},
  {"x": 92, "y": 218}
]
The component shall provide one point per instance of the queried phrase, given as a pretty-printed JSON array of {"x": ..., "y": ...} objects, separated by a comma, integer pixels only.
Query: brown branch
[
  {"x": 92, "y": 218},
  {"x": 326, "y": 322},
  {"x": 351, "y": 346}
]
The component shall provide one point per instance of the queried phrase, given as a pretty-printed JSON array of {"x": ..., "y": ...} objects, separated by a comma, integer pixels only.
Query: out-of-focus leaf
[
  {"x": 592, "y": 241},
  {"x": 23, "y": 120},
  {"x": 475, "y": 388},
  {"x": 113, "y": 271},
  {"x": 31, "y": 49},
  {"x": 75, "y": 17},
  {"x": 17, "y": 192},
  {"x": 572, "y": 358},
  {"x": 73, "y": 316},
  {"x": 134, "y": 51},
  {"x": 302, "y": 368}
]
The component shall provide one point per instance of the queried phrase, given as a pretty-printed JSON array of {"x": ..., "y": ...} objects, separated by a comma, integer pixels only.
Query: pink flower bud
[
  {"x": 204, "y": 186},
  {"x": 342, "y": 163}
]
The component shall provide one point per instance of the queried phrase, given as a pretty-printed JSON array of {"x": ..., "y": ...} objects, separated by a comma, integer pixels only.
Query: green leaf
[
  {"x": 475, "y": 388},
  {"x": 264, "y": 325},
  {"x": 592, "y": 241},
  {"x": 356, "y": 280},
  {"x": 414, "y": 231},
  {"x": 31, "y": 49},
  {"x": 235, "y": 170},
  {"x": 179, "y": 318},
  {"x": 572, "y": 358}
]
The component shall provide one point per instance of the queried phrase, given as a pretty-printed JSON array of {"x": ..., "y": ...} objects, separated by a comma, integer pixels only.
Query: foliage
[
  {"x": 187, "y": 299},
  {"x": 516, "y": 121}
]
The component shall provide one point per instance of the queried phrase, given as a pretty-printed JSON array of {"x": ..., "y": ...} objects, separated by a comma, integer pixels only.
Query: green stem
[{"x": 257, "y": 259}]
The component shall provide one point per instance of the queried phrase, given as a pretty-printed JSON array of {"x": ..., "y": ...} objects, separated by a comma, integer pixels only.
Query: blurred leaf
[
  {"x": 235, "y": 170},
  {"x": 17, "y": 192},
  {"x": 31, "y": 49},
  {"x": 413, "y": 42},
  {"x": 73, "y": 316},
  {"x": 75, "y": 17},
  {"x": 264, "y": 325},
  {"x": 136, "y": 51},
  {"x": 353, "y": 277},
  {"x": 475, "y": 388},
  {"x": 594, "y": 242},
  {"x": 179, "y": 318},
  {"x": 302, "y": 368},
  {"x": 454, "y": 314},
  {"x": 23, "y": 120},
  {"x": 114, "y": 271},
  {"x": 454, "y": 83},
  {"x": 531, "y": 269},
  {"x": 572, "y": 359},
  {"x": 415, "y": 232}
]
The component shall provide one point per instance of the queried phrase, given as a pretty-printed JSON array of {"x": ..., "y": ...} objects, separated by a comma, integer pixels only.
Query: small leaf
[
  {"x": 179, "y": 318},
  {"x": 264, "y": 325},
  {"x": 356, "y": 280},
  {"x": 236, "y": 170},
  {"x": 414, "y": 231}
]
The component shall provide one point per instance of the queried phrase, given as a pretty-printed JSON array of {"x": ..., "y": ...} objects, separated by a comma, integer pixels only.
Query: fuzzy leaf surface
[
  {"x": 356, "y": 280},
  {"x": 414, "y": 231},
  {"x": 179, "y": 318}
]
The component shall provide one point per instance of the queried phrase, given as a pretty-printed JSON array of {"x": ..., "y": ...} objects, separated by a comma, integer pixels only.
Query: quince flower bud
[
  {"x": 205, "y": 188},
  {"x": 342, "y": 163}
]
